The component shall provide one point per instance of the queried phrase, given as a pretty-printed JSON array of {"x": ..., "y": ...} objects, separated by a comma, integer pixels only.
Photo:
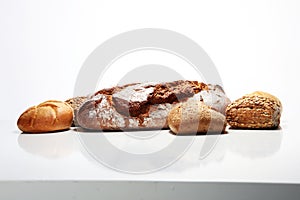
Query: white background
[{"x": 254, "y": 44}]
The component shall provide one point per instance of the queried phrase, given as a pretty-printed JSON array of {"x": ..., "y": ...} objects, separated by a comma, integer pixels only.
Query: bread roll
[
  {"x": 258, "y": 110},
  {"x": 194, "y": 117},
  {"x": 75, "y": 103},
  {"x": 46, "y": 117}
]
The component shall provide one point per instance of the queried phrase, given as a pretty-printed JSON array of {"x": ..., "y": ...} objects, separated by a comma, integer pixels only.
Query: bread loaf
[
  {"x": 46, "y": 117},
  {"x": 144, "y": 105},
  {"x": 258, "y": 110},
  {"x": 193, "y": 117}
]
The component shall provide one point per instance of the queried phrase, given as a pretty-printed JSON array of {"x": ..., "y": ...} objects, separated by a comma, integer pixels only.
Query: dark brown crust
[
  {"x": 83, "y": 115},
  {"x": 110, "y": 91},
  {"x": 150, "y": 94}
]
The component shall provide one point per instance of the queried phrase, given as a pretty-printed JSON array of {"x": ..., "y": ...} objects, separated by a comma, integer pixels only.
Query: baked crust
[
  {"x": 258, "y": 110},
  {"x": 75, "y": 103},
  {"x": 193, "y": 117},
  {"x": 48, "y": 116}
]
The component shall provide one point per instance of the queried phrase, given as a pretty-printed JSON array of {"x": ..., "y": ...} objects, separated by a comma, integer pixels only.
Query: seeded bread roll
[
  {"x": 194, "y": 117},
  {"x": 46, "y": 117},
  {"x": 75, "y": 103},
  {"x": 258, "y": 110}
]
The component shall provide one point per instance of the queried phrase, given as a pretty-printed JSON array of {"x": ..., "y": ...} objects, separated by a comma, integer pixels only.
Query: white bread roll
[
  {"x": 46, "y": 117},
  {"x": 194, "y": 117}
]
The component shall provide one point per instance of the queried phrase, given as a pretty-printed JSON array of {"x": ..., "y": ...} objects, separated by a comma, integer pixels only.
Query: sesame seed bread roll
[{"x": 258, "y": 110}]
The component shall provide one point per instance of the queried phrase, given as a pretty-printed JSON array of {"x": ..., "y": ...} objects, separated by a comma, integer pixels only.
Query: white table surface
[{"x": 241, "y": 156}]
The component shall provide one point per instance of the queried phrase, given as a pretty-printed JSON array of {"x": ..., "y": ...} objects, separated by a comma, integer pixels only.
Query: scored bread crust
[
  {"x": 48, "y": 116},
  {"x": 258, "y": 110},
  {"x": 144, "y": 105}
]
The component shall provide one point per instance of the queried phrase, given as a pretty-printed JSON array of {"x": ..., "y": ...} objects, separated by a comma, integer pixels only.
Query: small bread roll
[
  {"x": 258, "y": 110},
  {"x": 194, "y": 117},
  {"x": 46, "y": 117},
  {"x": 75, "y": 103}
]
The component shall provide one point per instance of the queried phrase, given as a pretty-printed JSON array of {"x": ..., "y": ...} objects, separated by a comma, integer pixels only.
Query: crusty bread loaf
[
  {"x": 193, "y": 117},
  {"x": 258, "y": 110},
  {"x": 46, "y": 117},
  {"x": 144, "y": 105}
]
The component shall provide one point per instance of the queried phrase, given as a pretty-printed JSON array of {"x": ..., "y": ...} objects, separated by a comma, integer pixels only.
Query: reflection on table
[{"x": 50, "y": 145}]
